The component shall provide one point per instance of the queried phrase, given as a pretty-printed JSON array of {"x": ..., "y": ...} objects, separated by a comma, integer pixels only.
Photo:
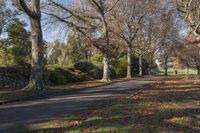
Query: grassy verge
[
  {"x": 171, "y": 106},
  {"x": 181, "y": 72}
]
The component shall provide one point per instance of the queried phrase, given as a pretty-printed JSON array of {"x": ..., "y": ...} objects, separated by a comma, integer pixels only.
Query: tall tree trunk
[
  {"x": 34, "y": 13},
  {"x": 106, "y": 54},
  {"x": 36, "y": 75},
  {"x": 140, "y": 65},
  {"x": 106, "y": 70},
  {"x": 166, "y": 67},
  {"x": 198, "y": 70},
  {"x": 129, "y": 75}
]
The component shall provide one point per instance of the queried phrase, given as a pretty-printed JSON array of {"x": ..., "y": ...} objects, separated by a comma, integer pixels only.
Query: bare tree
[
  {"x": 91, "y": 19},
  {"x": 128, "y": 17},
  {"x": 168, "y": 32},
  {"x": 144, "y": 45},
  {"x": 191, "y": 12},
  {"x": 191, "y": 54},
  {"x": 32, "y": 9},
  {"x": 6, "y": 16}
]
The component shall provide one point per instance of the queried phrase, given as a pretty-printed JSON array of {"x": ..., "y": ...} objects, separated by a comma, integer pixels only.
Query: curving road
[{"x": 18, "y": 115}]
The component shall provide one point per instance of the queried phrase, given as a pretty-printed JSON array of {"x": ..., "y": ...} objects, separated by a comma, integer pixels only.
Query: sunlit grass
[
  {"x": 180, "y": 71},
  {"x": 180, "y": 120}
]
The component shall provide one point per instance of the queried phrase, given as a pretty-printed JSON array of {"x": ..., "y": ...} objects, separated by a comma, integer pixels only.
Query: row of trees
[
  {"x": 131, "y": 22},
  {"x": 190, "y": 10},
  {"x": 141, "y": 27}
]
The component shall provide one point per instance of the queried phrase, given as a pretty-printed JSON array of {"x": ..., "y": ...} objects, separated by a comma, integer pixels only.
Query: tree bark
[
  {"x": 140, "y": 65},
  {"x": 198, "y": 70},
  {"x": 129, "y": 72},
  {"x": 106, "y": 70},
  {"x": 106, "y": 53},
  {"x": 166, "y": 67},
  {"x": 36, "y": 75}
]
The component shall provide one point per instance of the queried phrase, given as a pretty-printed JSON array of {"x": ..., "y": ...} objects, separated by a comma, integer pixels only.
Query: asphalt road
[{"x": 18, "y": 115}]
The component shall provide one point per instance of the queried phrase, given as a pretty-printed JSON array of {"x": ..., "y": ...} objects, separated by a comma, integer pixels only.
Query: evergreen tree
[
  {"x": 18, "y": 42},
  {"x": 73, "y": 52}
]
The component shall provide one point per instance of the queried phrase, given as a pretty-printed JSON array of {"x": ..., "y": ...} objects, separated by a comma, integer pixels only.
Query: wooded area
[
  {"x": 49, "y": 43},
  {"x": 135, "y": 37}
]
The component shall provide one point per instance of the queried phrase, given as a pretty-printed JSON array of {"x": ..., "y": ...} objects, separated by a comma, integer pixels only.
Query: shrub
[
  {"x": 58, "y": 75},
  {"x": 94, "y": 70},
  {"x": 91, "y": 69},
  {"x": 135, "y": 66},
  {"x": 112, "y": 70},
  {"x": 98, "y": 57},
  {"x": 120, "y": 66},
  {"x": 57, "y": 78}
]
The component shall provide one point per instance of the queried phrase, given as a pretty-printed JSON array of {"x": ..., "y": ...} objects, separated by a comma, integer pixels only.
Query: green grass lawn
[
  {"x": 170, "y": 106},
  {"x": 180, "y": 71}
]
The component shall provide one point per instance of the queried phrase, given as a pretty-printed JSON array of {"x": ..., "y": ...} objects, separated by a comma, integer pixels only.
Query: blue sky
[
  {"x": 50, "y": 33},
  {"x": 58, "y": 31}
]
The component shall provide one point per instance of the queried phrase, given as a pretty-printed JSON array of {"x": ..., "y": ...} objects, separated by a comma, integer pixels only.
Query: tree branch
[{"x": 28, "y": 11}]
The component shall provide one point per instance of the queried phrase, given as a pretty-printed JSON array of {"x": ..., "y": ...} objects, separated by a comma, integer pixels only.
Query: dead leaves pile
[{"x": 74, "y": 123}]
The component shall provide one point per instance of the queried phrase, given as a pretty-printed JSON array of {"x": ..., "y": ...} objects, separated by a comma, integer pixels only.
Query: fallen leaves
[
  {"x": 169, "y": 106},
  {"x": 74, "y": 123}
]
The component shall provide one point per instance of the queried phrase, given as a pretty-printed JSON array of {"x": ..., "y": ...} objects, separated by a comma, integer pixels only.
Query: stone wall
[{"x": 13, "y": 77}]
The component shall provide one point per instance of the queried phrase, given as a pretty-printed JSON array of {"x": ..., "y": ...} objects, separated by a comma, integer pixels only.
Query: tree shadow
[
  {"x": 155, "y": 122},
  {"x": 142, "y": 113}
]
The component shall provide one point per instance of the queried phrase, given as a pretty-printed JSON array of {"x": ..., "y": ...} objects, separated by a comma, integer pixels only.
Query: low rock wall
[{"x": 13, "y": 77}]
